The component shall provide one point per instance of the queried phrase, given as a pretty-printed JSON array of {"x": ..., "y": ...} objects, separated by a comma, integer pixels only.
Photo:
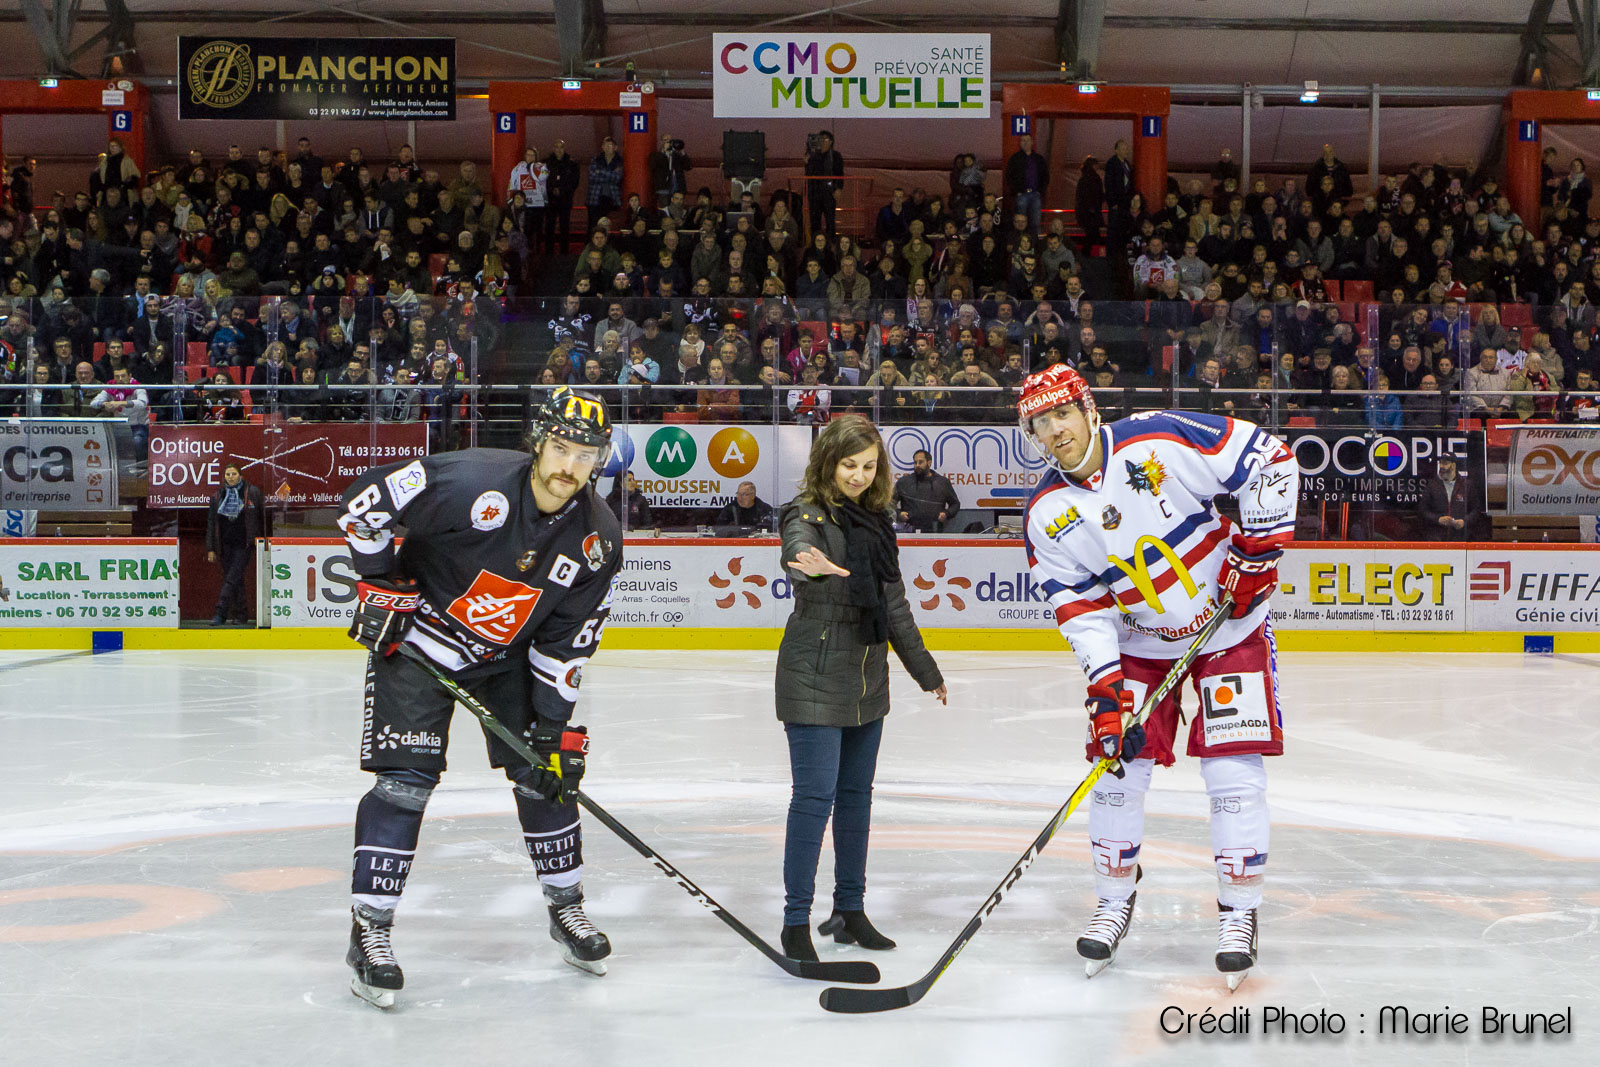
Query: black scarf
[{"x": 872, "y": 557}]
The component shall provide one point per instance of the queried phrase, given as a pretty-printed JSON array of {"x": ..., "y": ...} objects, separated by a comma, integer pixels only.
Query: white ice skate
[{"x": 1236, "y": 943}]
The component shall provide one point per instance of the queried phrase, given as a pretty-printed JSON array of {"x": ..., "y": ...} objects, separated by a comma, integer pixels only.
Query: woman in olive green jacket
[{"x": 833, "y": 671}]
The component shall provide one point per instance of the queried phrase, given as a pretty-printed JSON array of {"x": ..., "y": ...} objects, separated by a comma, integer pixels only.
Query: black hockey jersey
[{"x": 500, "y": 583}]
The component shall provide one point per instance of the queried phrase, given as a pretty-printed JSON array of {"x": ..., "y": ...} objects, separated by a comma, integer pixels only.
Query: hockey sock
[
  {"x": 554, "y": 838},
  {"x": 1240, "y": 826},
  {"x": 388, "y": 822},
  {"x": 1116, "y": 828}
]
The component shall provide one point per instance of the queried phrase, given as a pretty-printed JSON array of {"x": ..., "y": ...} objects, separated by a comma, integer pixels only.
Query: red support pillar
[
  {"x": 1150, "y": 159},
  {"x": 638, "y": 136},
  {"x": 1146, "y": 106},
  {"x": 505, "y": 149},
  {"x": 1522, "y": 169},
  {"x": 511, "y": 104}
]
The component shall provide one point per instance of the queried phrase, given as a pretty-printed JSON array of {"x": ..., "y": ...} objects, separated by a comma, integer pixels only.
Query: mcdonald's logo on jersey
[{"x": 1138, "y": 572}]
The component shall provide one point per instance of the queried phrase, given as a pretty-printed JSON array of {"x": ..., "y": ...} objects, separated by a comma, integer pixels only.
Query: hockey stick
[
  {"x": 863, "y": 1001},
  {"x": 826, "y": 971}
]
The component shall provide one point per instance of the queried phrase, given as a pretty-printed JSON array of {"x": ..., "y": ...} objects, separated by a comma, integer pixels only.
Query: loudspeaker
[{"x": 744, "y": 153}]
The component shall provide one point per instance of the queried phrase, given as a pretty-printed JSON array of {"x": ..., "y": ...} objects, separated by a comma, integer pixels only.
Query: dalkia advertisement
[
  {"x": 854, "y": 75},
  {"x": 101, "y": 583}
]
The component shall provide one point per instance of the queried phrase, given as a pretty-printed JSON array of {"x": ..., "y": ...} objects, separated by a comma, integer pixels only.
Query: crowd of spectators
[
  {"x": 265, "y": 269},
  {"x": 1292, "y": 298}
]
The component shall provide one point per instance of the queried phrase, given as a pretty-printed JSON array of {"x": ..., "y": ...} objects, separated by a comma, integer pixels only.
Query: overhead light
[
  {"x": 1309, "y": 96},
  {"x": 49, "y": 83},
  {"x": 572, "y": 83},
  {"x": 1088, "y": 88},
  {"x": 1593, "y": 94}
]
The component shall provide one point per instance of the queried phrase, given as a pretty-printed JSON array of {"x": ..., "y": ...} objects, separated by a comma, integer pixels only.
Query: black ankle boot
[
  {"x": 797, "y": 943},
  {"x": 854, "y": 928}
]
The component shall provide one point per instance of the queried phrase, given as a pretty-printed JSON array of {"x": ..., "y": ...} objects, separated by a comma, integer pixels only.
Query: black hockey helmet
[{"x": 573, "y": 416}]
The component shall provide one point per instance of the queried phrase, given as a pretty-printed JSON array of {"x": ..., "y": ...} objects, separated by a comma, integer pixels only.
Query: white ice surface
[{"x": 174, "y": 870}]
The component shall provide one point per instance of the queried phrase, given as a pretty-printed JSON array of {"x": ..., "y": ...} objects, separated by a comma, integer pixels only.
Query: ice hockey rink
[{"x": 175, "y": 852}]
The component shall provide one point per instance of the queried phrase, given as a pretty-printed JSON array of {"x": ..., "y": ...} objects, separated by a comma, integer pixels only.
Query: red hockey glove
[
  {"x": 1107, "y": 703},
  {"x": 384, "y": 607},
  {"x": 1250, "y": 572}
]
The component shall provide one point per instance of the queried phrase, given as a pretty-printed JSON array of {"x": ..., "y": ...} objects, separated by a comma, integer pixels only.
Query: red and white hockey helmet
[{"x": 1048, "y": 389}]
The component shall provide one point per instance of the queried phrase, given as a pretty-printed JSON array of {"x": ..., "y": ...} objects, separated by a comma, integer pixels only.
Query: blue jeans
[
  {"x": 833, "y": 769},
  {"x": 1030, "y": 204}
]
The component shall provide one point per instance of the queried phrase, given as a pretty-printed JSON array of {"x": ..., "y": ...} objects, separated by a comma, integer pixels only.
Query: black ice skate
[
  {"x": 582, "y": 944},
  {"x": 371, "y": 956},
  {"x": 1236, "y": 943},
  {"x": 1106, "y": 929}
]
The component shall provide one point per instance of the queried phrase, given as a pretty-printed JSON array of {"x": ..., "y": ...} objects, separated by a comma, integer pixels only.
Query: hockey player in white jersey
[{"x": 1125, "y": 539}]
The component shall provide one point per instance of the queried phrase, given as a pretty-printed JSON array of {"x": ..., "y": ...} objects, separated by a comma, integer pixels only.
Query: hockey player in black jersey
[{"x": 503, "y": 580}]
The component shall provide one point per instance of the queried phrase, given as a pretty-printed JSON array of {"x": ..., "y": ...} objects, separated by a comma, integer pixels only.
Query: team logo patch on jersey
[
  {"x": 564, "y": 570},
  {"x": 594, "y": 550},
  {"x": 1062, "y": 523},
  {"x": 1110, "y": 518},
  {"x": 406, "y": 483},
  {"x": 1146, "y": 477},
  {"x": 489, "y": 510},
  {"x": 526, "y": 561},
  {"x": 494, "y": 608},
  {"x": 1234, "y": 708}
]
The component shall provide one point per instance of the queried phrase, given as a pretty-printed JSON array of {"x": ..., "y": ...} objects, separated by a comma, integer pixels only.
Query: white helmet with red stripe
[{"x": 1057, "y": 384}]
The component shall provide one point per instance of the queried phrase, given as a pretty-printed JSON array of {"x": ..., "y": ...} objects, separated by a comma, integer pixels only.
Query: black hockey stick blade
[
  {"x": 825, "y": 971},
  {"x": 866, "y": 1001}
]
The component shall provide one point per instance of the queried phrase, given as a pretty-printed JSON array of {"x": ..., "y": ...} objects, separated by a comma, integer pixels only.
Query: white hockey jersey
[{"x": 1129, "y": 560}]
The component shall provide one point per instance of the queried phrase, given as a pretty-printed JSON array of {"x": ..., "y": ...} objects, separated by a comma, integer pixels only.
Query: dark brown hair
[{"x": 845, "y": 436}]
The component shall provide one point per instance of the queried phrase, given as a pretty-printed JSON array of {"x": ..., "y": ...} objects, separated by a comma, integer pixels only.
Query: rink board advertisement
[
  {"x": 57, "y": 465},
  {"x": 1554, "y": 470},
  {"x": 1385, "y": 470},
  {"x": 411, "y": 78},
  {"x": 293, "y": 464},
  {"x": 850, "y": 75},
  {"x": 1377, "y": 588},
  {"x": 682, "y": 466},
  {"x": 989, "y": 467},
  {"x": 994, "y": 467},
  {"x": 101, "y": 583},
  {"x": 309, "y": 582},
  {"x": 969, "y": 584}
]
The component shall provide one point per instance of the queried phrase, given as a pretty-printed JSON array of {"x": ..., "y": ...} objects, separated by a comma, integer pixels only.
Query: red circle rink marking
[
  {"x": 277, "y": 879},
  {"x": 160, "y": 906}
]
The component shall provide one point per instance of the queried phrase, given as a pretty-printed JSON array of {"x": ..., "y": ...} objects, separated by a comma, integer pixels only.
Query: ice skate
[
  {"x": 582, "y": 943},
  {"x": 377, "y": 975},
  {"x": 1236, "y": 943},
  {"x": 1106, "y": 929}
]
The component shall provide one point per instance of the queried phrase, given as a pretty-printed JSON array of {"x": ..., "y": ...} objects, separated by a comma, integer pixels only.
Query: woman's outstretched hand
[{"x": 811, "y": 561}]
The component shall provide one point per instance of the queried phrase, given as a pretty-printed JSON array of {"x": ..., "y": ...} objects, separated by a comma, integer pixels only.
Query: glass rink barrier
[{"x": 121, "y": 417}]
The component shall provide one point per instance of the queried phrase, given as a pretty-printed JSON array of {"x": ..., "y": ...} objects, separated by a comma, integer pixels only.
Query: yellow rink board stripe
[{"x": 962, "y": 640}]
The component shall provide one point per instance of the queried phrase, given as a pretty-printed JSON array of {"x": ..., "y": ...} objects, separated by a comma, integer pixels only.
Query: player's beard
[{"x": 560, "y": 485}]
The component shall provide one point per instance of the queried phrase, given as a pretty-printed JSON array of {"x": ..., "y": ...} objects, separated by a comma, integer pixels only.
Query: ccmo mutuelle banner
[{"x": 858, "y": 75}]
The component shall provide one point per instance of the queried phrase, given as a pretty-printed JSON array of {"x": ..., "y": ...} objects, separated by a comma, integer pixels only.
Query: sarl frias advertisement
[{"x": 100, "y": 583}]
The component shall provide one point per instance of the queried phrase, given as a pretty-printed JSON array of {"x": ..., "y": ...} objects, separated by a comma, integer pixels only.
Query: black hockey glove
[
  {"x": 384, "y": 607},
  {"x": 563, "y": 749}
]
